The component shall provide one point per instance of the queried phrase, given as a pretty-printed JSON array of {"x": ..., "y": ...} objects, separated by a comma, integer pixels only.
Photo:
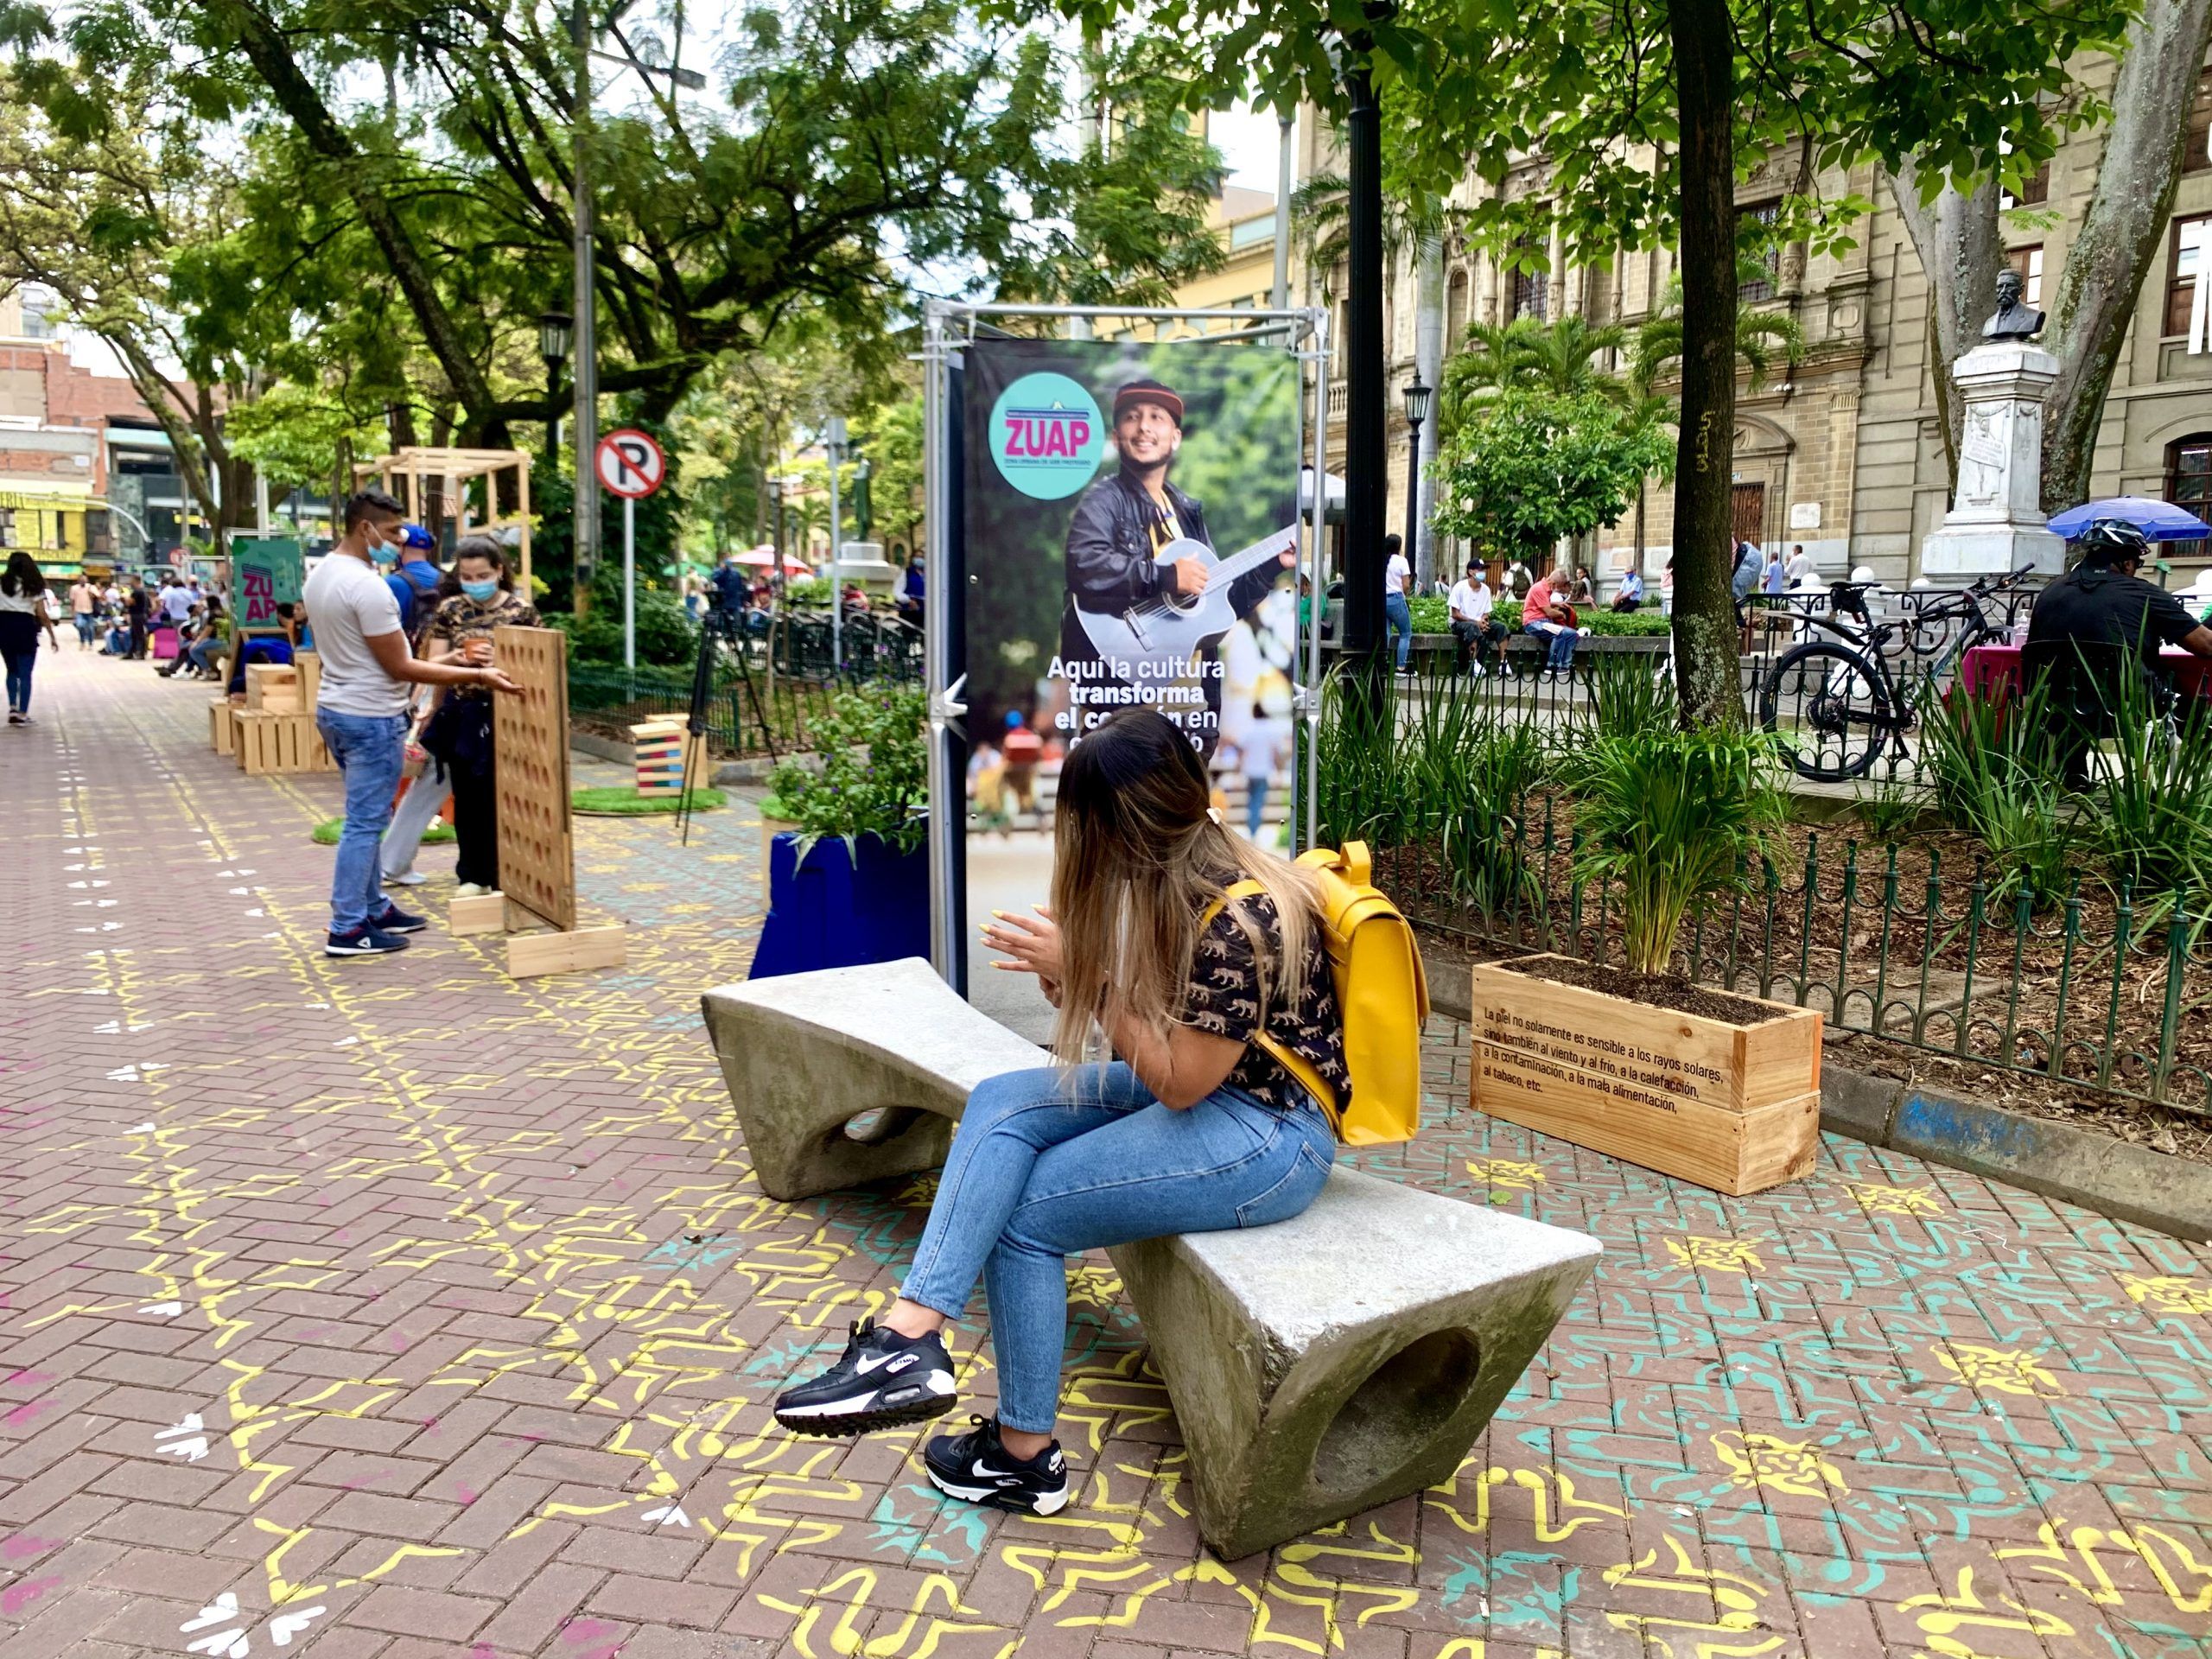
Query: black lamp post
[
  {"x": 555, "y": 329},
  {"x": 1417, "y": 402}
]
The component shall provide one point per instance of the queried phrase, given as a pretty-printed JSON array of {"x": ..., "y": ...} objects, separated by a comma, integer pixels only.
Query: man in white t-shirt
[
  {"x": 1397, "y": 575},
  {"x": 361, "y": 711},
  {"x": 176, "y": 599},
  {"x": 1479, "y": 635}
]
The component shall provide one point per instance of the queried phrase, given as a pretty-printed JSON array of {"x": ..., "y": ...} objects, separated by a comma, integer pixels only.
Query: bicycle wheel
[{"x": 1832, "y": 711}]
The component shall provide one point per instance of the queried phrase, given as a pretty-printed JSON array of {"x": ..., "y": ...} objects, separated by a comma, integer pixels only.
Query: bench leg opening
[
  {"x": 877, "y": 1126},
  {"x": 1392, "y": 1417}
]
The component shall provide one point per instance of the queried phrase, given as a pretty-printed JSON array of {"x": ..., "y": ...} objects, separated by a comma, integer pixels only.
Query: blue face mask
[
  {"x": 384, "y": 553},
  {"x": 479, "y": 591}
]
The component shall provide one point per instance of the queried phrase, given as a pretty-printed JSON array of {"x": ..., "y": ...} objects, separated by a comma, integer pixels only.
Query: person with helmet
[{"x": 2099, "y": 621}]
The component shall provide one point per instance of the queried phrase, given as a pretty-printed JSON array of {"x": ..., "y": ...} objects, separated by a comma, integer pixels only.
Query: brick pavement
[{"x": 393, "y": 1308}]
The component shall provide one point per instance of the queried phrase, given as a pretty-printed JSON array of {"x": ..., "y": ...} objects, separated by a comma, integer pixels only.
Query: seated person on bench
[{"x": 1194, "y": 1128}]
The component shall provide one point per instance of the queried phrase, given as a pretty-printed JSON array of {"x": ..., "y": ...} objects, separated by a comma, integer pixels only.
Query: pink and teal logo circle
[{"x": 1047, "y": 435}]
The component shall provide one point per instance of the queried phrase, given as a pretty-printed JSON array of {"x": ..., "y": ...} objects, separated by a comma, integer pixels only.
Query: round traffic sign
[{"x": 630, "y": 463}]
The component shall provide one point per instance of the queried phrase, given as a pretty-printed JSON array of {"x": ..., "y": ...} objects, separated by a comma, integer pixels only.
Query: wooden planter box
[
  {"x": 220, "y": 732},
  {"x": 1735, "y": 1107}
]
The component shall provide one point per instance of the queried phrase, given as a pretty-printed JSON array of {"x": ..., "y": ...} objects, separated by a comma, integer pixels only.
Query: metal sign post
[{"x": 630, "y": 464}]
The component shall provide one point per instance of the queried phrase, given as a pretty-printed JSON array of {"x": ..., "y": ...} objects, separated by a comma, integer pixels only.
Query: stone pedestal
[{"x": 1995, "y": 524}]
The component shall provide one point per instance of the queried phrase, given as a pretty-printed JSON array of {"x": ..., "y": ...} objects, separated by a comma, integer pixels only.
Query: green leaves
[
  {"x": 1674, "y": 818},
  {"x": 875, "y": 774}
]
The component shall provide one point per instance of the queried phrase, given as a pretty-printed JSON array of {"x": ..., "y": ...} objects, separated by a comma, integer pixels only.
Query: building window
[
  {"x": 1769, "y": 254},
  {"x": 2183, "y": 263},
  {"x": 2188, "y": 474},
  {"x": 2035, "y": 190},
  {"x": 2029, "y": 263},
  {"x": 1455, "y": 312},
  {"x": 1531, "y": 288},
  {"x": 2196, "y": 156}
]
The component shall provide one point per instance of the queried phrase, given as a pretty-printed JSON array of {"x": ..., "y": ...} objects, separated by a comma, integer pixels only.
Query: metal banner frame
[{"x": 947, "y": 327}]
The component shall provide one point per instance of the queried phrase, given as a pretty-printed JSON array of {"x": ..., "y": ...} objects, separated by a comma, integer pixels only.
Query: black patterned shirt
[{"x": 1223, "y": 999}]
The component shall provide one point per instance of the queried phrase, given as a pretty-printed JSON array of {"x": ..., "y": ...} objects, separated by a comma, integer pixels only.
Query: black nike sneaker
[
  {"x": 883, "y": 1380},
  {"x": 977, "y": 1466}
]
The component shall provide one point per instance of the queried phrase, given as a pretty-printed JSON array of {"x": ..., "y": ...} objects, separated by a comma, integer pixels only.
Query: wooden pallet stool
[{"x": 272, "y": 689}]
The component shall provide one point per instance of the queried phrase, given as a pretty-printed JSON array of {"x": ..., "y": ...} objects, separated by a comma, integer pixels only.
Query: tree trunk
[
  {"x": 1428, "y": 365},
  {"x": 2122, "y": 235},
  {"x": 1961, "y": 249},
  {"x": 1708, "y": 662}
]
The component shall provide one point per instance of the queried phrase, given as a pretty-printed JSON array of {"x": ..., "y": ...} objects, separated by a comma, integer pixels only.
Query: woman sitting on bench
[{"x": 1191, "y": 1127}]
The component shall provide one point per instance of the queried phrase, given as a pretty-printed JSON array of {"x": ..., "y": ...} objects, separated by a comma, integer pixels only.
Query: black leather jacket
[{"x": 1110, "y": 559}]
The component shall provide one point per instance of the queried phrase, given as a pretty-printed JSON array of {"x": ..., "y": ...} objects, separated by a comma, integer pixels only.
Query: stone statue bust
[{"x": 2013, "y": 320}]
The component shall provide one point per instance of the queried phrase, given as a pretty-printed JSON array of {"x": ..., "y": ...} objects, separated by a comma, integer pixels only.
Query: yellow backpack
[{"x": 1381, "y": 991}]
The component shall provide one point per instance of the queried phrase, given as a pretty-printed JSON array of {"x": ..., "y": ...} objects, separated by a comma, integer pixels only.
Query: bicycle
[
  {"x": 1944, "y": 625},
  {"x": 1848, "y": 700}
]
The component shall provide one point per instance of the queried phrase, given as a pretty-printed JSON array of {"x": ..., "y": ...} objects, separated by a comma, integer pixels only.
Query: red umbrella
[{"x": 766, "y": 556}]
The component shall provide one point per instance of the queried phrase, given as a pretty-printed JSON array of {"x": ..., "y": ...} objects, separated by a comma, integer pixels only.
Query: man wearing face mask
[{"x": 361, "y": 711}]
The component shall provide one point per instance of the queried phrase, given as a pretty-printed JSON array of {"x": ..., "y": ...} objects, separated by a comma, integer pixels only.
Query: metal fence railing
[
  {"x": 769, "y": 686},
  {"x": 2108, "y": 990},
  {"x": 2030, "y": 931}
]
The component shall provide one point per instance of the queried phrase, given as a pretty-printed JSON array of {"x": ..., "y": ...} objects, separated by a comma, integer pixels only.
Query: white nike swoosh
[
  {"x": 864, "y": 1366},
  {"x": 989, "y": 1473}
]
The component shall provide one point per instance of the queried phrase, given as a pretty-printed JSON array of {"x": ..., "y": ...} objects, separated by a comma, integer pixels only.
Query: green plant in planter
[
  {"x": 1674, "y": 817},
  {"x": 875, "y": 774}
]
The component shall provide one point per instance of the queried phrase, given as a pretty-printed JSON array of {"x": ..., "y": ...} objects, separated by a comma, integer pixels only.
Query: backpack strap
[{"x": 1301, "y": 1069}]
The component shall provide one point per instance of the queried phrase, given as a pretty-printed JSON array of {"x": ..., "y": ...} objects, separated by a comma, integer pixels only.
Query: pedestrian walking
[
  {"x": 1198, "y": 1127},
  {"x": 23, "y": 613},
  {"x": 459, "y": 734},
  {"x": 361, "y": 711},
  {"x": 84, "y": 606}
]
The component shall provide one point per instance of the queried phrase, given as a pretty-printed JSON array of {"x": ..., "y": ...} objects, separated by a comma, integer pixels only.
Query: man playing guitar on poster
[{"x": 1117, "y": 580}]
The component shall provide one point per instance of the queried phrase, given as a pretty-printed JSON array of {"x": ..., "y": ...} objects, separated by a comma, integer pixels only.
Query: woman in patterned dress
[
  {"x": 459, "y": 733},
  {"x": 1166, "y": 1113}
]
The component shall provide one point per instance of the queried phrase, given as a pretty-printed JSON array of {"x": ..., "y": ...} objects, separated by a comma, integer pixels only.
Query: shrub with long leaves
[
  {"x": 2154, "y": 823},
  {"x": 1993, "y": 774},
  {"x": 1671, "y": 818}
]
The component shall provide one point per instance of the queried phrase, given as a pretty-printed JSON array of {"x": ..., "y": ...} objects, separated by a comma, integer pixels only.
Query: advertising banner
[
  {"x": 1129, "y": 523},
  {"x": 264, "y": 574}
]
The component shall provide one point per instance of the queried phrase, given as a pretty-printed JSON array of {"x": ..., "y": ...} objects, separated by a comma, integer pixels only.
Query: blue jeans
[
  {"x": 1560, "y": 653},
  {"x": 370, "y": 750},
  {"x": 1049, "y": 1163},
  {"x": 1401, "y": 623},
  {"x": 87, "y": 622},
  {"x": 19, "y": 681}
]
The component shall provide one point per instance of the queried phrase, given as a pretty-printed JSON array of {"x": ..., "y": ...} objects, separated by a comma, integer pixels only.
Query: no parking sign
[{"x": 631, "y": 465}]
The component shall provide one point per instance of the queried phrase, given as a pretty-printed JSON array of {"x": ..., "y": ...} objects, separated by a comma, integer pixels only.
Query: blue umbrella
[{"x": 2159, "y": 521}]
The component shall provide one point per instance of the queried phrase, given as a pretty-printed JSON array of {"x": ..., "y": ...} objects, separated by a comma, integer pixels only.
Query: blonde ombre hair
[{"x": 1138, "y": 857}]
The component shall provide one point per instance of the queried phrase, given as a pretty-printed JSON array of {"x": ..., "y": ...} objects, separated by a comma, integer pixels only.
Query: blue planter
[{"x": 842, "y": 906}]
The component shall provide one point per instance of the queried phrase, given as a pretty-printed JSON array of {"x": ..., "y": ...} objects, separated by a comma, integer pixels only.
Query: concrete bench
[{"x": 1319, "y": 1367}]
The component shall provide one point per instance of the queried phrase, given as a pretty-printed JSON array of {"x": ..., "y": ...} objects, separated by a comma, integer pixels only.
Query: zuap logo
[{"x": 1047, "y": 435}]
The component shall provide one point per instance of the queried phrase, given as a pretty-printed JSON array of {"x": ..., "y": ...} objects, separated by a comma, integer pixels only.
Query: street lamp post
[
  {"x": 1417, "y": 402},
  {"x": 554, "y": 330}
]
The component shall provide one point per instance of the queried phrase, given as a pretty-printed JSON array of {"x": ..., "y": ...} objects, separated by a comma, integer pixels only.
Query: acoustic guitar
[{"x": 1169, "y": 627}]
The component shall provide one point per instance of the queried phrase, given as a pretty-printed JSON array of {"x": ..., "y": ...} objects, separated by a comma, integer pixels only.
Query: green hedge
[{"x": 1434, "y": 615}]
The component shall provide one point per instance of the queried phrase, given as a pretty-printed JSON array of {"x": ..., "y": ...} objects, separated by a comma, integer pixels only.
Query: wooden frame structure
[
  {"x": 409, "y": 474},
  {"x": 537, "y": 872}
]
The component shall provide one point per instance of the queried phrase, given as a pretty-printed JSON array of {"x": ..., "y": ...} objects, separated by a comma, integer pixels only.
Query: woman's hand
[{"x": 1033, "y": 945}]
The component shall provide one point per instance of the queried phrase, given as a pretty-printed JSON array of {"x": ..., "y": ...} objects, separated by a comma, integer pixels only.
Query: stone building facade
[{"x": 1844, "y": 452}]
